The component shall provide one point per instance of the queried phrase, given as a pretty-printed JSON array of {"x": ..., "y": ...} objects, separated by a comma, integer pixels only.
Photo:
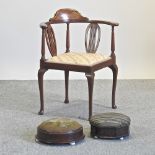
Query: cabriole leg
[
  {"x": 114, "y": 69},
  {"x": 90, "y": 79},
  {"x": 41, "y": 72}
]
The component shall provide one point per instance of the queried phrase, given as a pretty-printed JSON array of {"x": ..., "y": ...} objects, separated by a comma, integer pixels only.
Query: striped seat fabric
[{"x": 75, "y": 58}]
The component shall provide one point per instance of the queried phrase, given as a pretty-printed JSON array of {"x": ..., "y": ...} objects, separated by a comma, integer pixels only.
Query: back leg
[{"x": 66, "y": 86}]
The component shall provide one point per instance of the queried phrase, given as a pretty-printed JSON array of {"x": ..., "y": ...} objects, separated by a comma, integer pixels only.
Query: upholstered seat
[{"x": 75, "y": 58}]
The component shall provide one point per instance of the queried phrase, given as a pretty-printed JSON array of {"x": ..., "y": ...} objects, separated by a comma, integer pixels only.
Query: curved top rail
[{"x": 67, "y": 15}]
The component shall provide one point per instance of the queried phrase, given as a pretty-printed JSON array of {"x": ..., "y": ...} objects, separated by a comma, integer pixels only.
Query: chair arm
[{"x": 104, "y": 22}]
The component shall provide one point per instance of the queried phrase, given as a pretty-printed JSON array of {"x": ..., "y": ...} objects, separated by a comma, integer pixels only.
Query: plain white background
[{"x": 20, "y": 36}]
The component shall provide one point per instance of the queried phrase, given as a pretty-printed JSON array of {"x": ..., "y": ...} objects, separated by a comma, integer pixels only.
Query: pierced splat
[
  {"x": 92, "y": 37},
  {"x": 50, "y": 39}
]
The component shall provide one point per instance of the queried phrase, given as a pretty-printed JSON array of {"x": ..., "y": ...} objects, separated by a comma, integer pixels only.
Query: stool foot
[
  {"x": 72, "y": 143},
  {"x": 95, "y": 137}
]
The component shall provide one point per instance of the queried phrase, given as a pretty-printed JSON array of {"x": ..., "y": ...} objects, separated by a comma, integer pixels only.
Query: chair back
[{"x": 67, "y": 16}]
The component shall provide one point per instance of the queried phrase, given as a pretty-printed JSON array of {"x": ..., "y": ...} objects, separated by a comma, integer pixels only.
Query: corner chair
[{"x": 87, "y": 62}]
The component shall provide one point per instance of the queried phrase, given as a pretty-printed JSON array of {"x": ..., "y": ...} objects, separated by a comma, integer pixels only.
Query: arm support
[{"x": 43, "y": 27}]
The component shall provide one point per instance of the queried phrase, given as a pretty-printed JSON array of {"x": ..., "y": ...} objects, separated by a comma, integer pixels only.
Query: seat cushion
[{"x": 75, "y": 58}]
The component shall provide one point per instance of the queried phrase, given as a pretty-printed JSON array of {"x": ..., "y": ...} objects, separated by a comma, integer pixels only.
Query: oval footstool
[
  {"x": 110, "y": 125},
  {"x": 59, "y": 131}
]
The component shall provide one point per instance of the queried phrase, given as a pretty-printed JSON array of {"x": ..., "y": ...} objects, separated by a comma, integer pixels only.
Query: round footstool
[
  {"x": 59, "y": 131},
  {"x": 110, "y": 125}
]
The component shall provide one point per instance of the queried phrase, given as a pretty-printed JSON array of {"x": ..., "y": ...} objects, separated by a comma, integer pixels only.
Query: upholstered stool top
[
  {"x": 59, "y": 125},
  {"x": 110, "y": 125},
  {"x": 110, "y": 119}
]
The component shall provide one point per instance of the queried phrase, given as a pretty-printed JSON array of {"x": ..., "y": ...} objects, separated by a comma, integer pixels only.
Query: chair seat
[{"x": 75, "y": 58}]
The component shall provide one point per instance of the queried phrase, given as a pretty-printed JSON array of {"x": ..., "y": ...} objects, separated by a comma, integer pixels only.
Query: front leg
[{"x": 90, "y": 79}]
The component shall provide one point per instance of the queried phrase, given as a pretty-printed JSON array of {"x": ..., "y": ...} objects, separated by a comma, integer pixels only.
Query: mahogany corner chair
[{"x": 87, "y": 62}]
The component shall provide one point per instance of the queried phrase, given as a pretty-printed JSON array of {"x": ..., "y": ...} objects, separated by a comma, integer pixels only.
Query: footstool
[
  {"x": 59, "y": 131},
  {"x": 110, "y": 125}
]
